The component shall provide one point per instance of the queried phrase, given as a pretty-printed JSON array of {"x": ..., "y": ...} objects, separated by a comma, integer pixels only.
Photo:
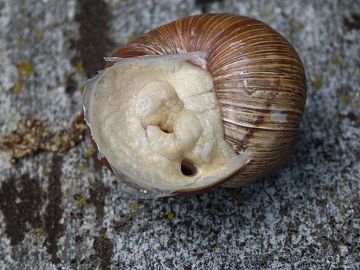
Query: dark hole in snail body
[
  {"x": 165, "y": 130},
  {"x": 188, "y": 168}
]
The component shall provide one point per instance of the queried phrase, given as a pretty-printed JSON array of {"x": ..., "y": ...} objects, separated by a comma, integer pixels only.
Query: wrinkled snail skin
[{"x": 258, "y": 78}]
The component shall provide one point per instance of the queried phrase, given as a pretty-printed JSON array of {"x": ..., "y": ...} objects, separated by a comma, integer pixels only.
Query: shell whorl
[{"x": 258, "y": 78}]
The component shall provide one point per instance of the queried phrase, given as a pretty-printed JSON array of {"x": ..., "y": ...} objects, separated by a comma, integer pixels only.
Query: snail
[{"x": 207, "y": 100}]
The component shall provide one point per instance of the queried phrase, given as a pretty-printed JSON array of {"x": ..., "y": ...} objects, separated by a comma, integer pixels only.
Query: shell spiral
[{"x": 258, "y": 78}]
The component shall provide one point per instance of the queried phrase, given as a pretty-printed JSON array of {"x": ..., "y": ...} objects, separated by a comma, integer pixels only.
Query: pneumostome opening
[{"x": 188, "y": 168}]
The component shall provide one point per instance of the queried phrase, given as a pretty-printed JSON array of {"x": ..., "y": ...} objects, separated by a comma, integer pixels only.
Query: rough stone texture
[{"x": 64, "y": 211}]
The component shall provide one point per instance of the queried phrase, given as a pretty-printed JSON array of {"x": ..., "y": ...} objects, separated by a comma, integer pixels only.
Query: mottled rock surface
[{"x": 62, "y": 210}]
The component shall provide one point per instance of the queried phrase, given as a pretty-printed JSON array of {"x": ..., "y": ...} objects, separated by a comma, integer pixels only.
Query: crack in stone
[
  {"x": 104, "y": 248},
  {"x": 97, "y": 198},
  {"x": 20, "y": 202},
  {"x": 204, "y": 4},
  {"x": 93, "y": 44},
  {"x": 53, "y": 213}
]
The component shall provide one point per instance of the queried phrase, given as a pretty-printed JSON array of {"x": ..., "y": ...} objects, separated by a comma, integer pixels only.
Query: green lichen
[
  {"x": 346, "y": 99},
  {"x": 39, "y": 231},
  {"x": 159, "y": 247},
  {"x": 336, "y": 61},
  {"x": 81, "y": 201},
  {"x": 170, "y": 216},
  {"x": 79, "y": 68},
  {"x": 316, "y": 82},
  {"x": 90, "y": 152},
  {"x": 25, "y": 71},
  {"x": 135, "y": 207},
  {"x": 216, "y": 245},
  {"x": 331, "y": 193}
]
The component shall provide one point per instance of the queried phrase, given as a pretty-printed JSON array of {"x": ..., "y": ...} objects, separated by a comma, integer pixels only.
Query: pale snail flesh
[{"x": 212, "y": 99}]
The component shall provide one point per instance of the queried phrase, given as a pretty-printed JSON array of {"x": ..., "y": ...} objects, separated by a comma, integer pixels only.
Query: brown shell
[{"x": 256, "y": 73}]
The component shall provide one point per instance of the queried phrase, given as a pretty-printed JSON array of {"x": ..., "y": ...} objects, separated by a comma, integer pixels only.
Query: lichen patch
[{"x": 35, "y": 136}]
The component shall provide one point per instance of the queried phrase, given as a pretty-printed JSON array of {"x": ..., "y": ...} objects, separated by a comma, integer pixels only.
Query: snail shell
[{"x": 258, "y": 79}]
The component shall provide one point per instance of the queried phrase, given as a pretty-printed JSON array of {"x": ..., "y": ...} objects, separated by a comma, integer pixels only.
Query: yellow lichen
[
  {"x": 18, "y": 87},
  {"x": 158, "y": 247},
  {"x": 336, "y": 61},
  {"x": 39, "y": 231},
  {"x": 170, "y": 216},
  {"x": 217, "y": 245},
  {"x": 90, "y": 152},
  {"x": 316, "y": 82},
  {"x": 79, "y": 68},
  {"x": 135, "y": 207},
  {"x": 81, "y": 201},
  {"x": 25, "y": 70},
  {"x": 346, "y": 100},
  {"x": 331, "y": 193}
]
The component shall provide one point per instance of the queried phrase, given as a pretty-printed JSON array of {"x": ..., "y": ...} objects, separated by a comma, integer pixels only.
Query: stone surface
[{"x": 64, "y": 211}]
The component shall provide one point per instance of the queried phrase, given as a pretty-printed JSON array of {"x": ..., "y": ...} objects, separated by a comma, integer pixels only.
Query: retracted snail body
[{"x": 206, "y": 100}]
